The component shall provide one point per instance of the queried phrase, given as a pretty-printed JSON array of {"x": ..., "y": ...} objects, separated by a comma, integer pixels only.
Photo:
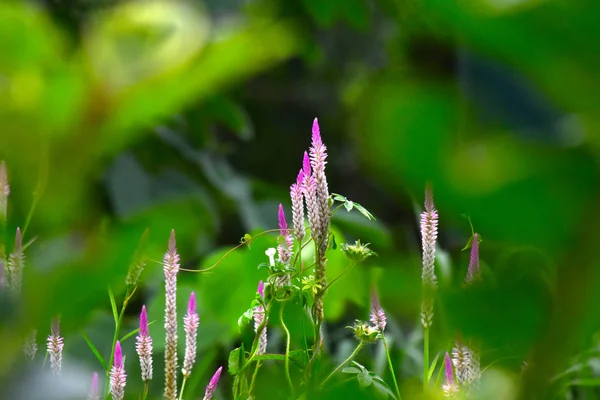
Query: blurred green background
[{"x": 117, "y": 116}]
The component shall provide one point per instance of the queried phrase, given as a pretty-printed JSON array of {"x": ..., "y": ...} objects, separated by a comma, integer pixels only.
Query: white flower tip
[{"x": 270, "y": 252}]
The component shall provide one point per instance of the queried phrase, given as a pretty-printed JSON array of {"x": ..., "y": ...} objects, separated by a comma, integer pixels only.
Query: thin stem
[
  {"x": 339, "y": 276},
  {"x": 302, "y": 320},
  {"x": 116, "y": 335},
  {"x": 346, "y": 361},
  {"x": 254, "y": 377},
  {"x": 425, "y": 359},
  {"x": 387, "y": 353},
  {"x": 145, "y": 390},
  {"x": 287, "y": 350},
  {"x": 182, "y": 387},
  {"x": 245, "y": 242}
]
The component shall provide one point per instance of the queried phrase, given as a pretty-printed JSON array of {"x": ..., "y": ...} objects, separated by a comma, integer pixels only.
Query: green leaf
[
  {"x": 349, "y": 205},
  {"x": 113, "y": 305},
  {"x": 364, "y": 211},
  {"x": 351, "y": 370},
  {"x": 95, "y": 351},
  {"x": 333, "y": 243},
  {"x": 364, "y": 378},
  {"x": 339, "y": 197},
  {"x": 383, "y": 389},
  {"x": 236, "y": 360},
  {"x": 133, "y": 332},
  {"x": 432, "y": 366}
]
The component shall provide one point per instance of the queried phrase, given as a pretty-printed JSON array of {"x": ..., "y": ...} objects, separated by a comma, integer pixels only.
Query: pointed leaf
[
  {"x": 349, "y": 205},
  {"x": 113, "y": 305},
  {"x": 432, "y": 366},
  {"x": 95, "y": 351},
  {"x": 364, "y": 378}
]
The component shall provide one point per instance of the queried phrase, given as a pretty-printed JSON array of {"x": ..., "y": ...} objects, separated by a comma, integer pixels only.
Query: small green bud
[{"x": 357, "y": 252}]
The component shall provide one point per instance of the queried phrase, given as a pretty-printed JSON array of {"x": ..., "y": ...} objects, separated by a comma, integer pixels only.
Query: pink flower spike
[
  {"x": 448, "y": 370},
  {"x": 190, "y": 322},
  {"x": 378, "y": 318},
  {"x": 212, "y": 385},
  {"x": 306, "y": 169},
  {"x": 261, "y": 289},
  {"x": 94, "y": 395},
  {"x": 143, "y": 322},
  {"x": 118, "y": 362},
  {"x": 117, "y": 375},
  {"x": 143, "y": 347},
  {"x": 192, "y": 304},
  {"x": 316, "y": 134},
  {"x": 300, "y": 177},
  {"x": 55, "y": 347},
  {"x": 283, "y": 226}
]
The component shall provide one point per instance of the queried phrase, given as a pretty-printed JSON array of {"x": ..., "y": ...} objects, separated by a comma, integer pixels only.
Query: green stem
[
  {"x": 182, "y": 387},
  {"x": 302, "y": 311},
  {"x": 254, "y": 377},
  {"x": 387, "y": 353},
  {"x": 145, "y": 390},
  {"x": 287, "y": 351},
  {"x": 339, "y": 276},
  {"x": 116, "y": 335},
  {"x": 425, "y": 359},
  {"x": 346, "y": 361}
]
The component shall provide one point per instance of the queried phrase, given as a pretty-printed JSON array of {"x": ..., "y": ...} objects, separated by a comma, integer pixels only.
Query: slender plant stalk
[
  {"x": 145, "y": 391},
  {"x": 299, "y": 258},
  {"x": 425, "y": 359},
  {"x": 252, "y": 382},
  {"x": 253, "y": 356},
  {"x": 340, "y": 275},
  {"x": 182, "y": 387},
  {"x": 116, "y": 335},
  {"x": 346, "y": 361},
  {"x": 387, "y": 353},
  {"x": 287, "y": 351}
]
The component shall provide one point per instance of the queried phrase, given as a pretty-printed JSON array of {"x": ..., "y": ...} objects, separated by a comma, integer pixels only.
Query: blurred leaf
[
  {"x": 203, "y": 73},
  {"x": 113, "y": 305},
  {"x": 95, "y": 351},
  {"x": 364, "y": 378},
  {"x": 432, "y": 366},
  {"x": 383, "y": 389},
  {"x": 237, "y": 359},
  {"x": 232, "y": 115}
]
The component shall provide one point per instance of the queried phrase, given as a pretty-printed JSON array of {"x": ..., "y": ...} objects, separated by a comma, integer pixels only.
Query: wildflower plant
[{"x": 292, "y": 280}]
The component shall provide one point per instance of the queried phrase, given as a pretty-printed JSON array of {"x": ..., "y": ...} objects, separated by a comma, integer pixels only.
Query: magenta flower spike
[
  {"x": 284, "y": 249},
  {"x": 259, "y": 318},
  {"x": 448, "y": 369},
  {"x": 171, "y": 268},
  {"x": 144, "y": 347},
  {"x": 318, "y": 155},
  {"x": 450, "y": 388},
  {"x": 117, "y": 374},
  {"x": 378, "y": 318},
  {"x": 94, "y": 393},
  {"x": 55, "y": 347},
  {"x": 474, "y": 272},
  {"x": 191, "y": 322},
  {"x": 306, "y": 168},
  {"x": 283, "y": 226},
  {"x": 261, "y": 289},
  {"x": 298, "y": 207},
  {"x": 212, "y": 385}
]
